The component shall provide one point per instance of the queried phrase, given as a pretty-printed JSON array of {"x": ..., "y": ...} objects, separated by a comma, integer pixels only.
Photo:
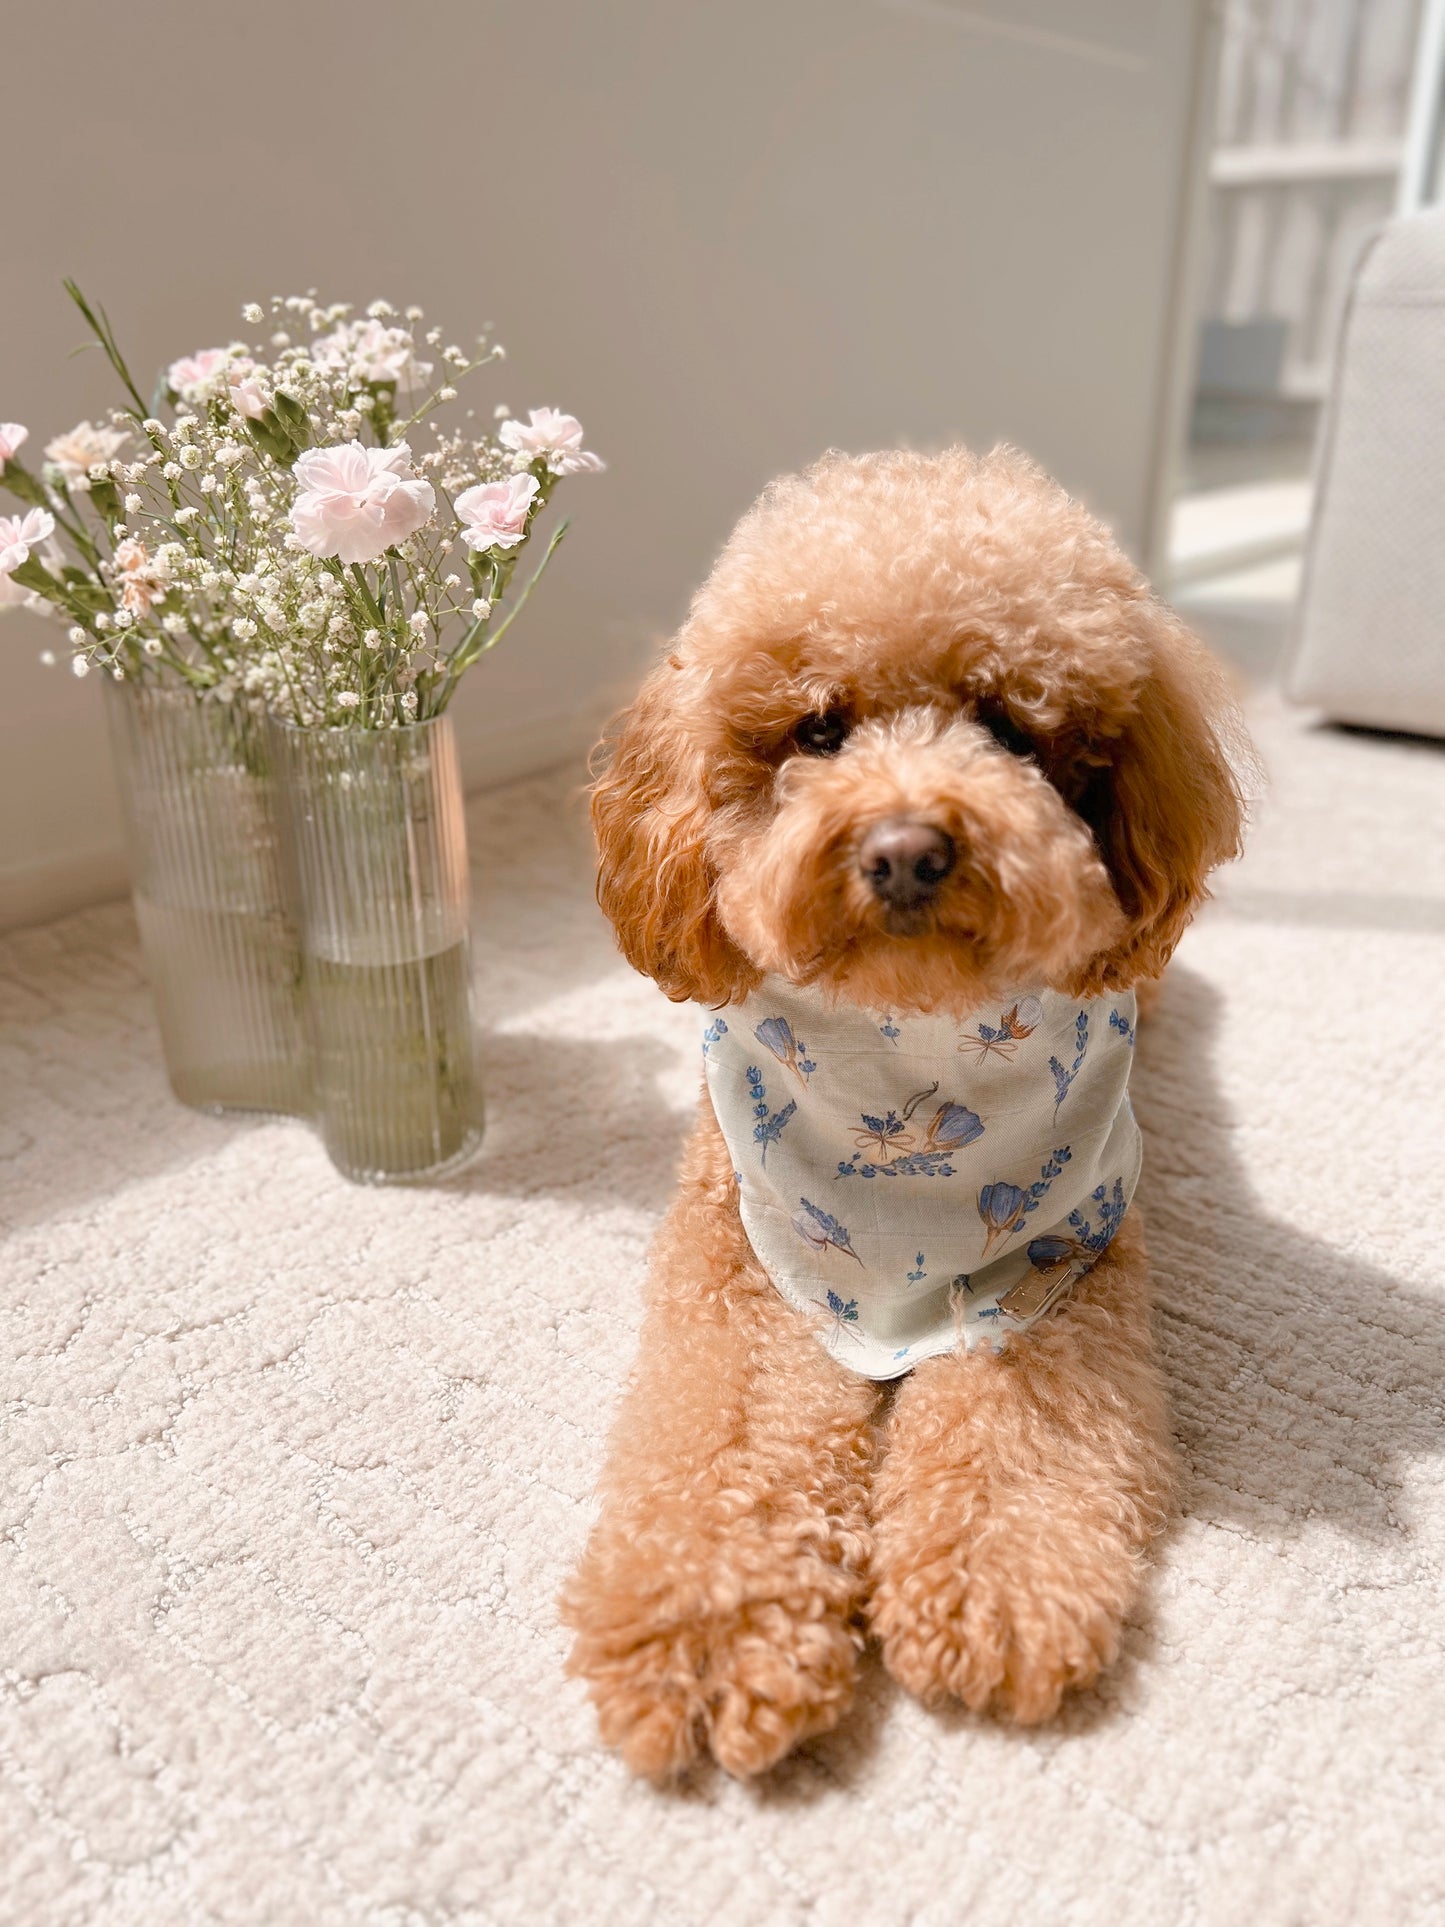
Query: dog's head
[{"x": 925, "y": 735}]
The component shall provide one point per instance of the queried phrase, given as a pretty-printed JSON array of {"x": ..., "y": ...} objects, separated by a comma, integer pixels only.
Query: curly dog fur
[{"x": 983, "y": 659}]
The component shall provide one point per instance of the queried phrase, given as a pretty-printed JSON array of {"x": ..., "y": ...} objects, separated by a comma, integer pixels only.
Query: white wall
[{"x": 726, "y": 233}]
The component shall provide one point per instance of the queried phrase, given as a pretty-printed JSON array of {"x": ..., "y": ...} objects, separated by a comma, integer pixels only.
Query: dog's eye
[
  {"x": 822, "y": 735},
  {"x": 1006, "y": 732}
]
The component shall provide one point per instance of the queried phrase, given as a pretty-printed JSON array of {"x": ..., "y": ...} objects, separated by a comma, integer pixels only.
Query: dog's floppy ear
[
  {"x": 650, "y": 812},
  {"x": 1169, "y": 808}
]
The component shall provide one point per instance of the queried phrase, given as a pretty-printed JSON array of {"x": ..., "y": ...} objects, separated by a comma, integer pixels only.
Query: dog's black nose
[{"x": 904, "y": 862}]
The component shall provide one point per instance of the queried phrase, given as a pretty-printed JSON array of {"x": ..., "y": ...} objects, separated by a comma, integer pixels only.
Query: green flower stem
[
  {"x": 101, "y": 329},
  {"x": 474, "y": 644}
]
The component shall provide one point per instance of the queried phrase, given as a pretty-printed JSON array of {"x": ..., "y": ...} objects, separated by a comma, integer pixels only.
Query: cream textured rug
[{"x": 292, "y": 1471}]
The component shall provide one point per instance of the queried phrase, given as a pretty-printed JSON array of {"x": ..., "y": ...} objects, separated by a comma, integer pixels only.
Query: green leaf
[
  {"x": 291, "y": 412},
  {"x": 106, "y": 498},
  {"x": 270, "y": 437},
  {"x": 34, "y": 575},
  {"x": 19, "y": 481}
]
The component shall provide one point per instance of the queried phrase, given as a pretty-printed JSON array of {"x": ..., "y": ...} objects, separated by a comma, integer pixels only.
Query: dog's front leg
[
  {"x": 717, "y": 1599},
  {"x": 1015, "y": 1497}
]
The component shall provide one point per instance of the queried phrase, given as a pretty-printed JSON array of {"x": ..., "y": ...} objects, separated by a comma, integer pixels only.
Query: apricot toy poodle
[{"x": 927, "y": 784}]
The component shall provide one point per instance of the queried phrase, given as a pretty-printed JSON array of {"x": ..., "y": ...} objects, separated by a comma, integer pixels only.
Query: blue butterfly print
[
  {"x": 822, "y": 1230},
  {"x": 918, "y": 1274},
  {"x": 768, "y": 1128},
  {"x": 1120, "y": 1023},
  {"x": 1003, "y": 1207},
  {"x": 1003, "y": 1039},
  {"x": 714, "y": 1034},
  {"x": 1064, "y": 1078},
  {"x": 843, "y": 1312},
  {"x": 776, "y": 1034},
  {"x": 891, "y": 1031}
]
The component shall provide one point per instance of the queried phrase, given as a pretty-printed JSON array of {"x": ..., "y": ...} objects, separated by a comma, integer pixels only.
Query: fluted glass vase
[
  {"x": 198, "y": 800},
  {"x": 376, "y": 847}
]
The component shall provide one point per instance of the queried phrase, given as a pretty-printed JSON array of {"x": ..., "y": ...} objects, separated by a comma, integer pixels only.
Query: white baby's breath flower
[
  {"x": 481, "y": 607},
  {"x": 172, "y": 471},
  {"x": 133, "y": 505},
  {"x": 191, "y": 456},
  {"x": 185, "y": 515},
  {"x": 348, "y": 699},
  {"x": 208, "y": 483},
  {"x": 152, "y": 645},
  {"x": 253, "y": 312},
  {"x": 47, "y": 656},
  {"x": 123, "y": 618},
  {"x": 79, "y": 664},
  {"x": 75, "y": 635},
  {"x": 243, "y": 629},
  {"x": 418, "y": 623},
  {"x": 174, "y": 624}
]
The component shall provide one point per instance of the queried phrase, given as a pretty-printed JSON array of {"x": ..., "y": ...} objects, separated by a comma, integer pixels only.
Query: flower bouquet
[{"x": 284, "y": 563}]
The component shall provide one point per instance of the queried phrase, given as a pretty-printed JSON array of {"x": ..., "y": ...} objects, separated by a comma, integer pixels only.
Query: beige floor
[{"x": 291, "y": 1471}]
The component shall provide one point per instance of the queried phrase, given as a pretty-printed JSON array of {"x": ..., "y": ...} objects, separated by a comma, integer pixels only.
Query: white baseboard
[{"x": 491, "y": 753}]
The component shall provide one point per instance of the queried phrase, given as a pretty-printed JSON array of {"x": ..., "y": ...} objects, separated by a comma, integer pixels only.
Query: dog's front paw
[
  {"x": 747, "y": 1685},
  {"x": 1009, "y": 1611}
]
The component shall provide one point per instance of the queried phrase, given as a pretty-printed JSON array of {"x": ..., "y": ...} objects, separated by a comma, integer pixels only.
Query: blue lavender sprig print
[
  {"x": 1003, "y": 1206},
  {"x": 776, "y": 1034},
  {"x": 714, "y": 1034},
  {"x": 918, "y": 1274},
  {"x": 822, "y": 1230},
  {"x": 842, "y": 1311},
  {"x": 769, "y": 1127},
  {"x": 1064, "y": 1078},
  {"x": 891, "y": 1031},
  {"x": 1120, "y": 1023},
  {"x": 1057, "y": 1253}
]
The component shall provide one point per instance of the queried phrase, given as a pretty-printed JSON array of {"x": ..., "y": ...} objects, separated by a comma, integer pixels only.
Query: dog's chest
[{"x": 913, "y": 1184}]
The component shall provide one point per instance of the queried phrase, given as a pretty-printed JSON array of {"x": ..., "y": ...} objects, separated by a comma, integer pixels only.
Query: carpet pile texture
[{"x": 291, "y": 1472}]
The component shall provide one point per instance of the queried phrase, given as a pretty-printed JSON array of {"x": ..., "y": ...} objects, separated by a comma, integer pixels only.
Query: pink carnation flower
[
  {"x": 557, "y": 438},
  {"x": 74, "y": 454},
  {"x": 371, "y": 353},
  {"x": 248, "y": 398},
  {"x": 142, "y": 580},
  {"x": 12, "y": 434},
  {"x": 357, "y": 502},
  {"x": 19, "y": 534},
  {"x": 494, "y": 514},
  {"x": 193, "y": 377}
]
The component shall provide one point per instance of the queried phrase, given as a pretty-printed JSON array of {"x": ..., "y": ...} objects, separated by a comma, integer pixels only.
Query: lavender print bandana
[{"x": 916, "y": 1184}]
